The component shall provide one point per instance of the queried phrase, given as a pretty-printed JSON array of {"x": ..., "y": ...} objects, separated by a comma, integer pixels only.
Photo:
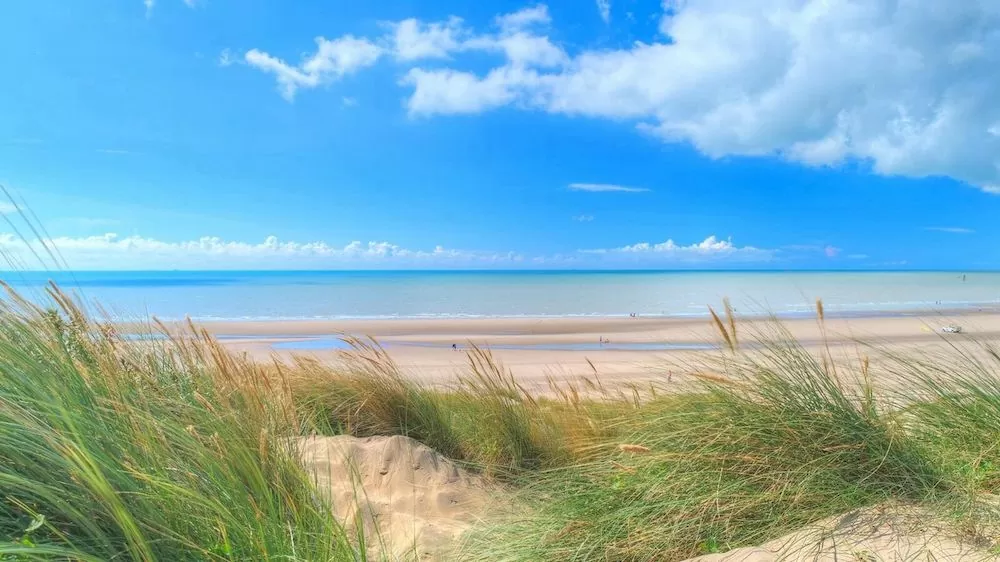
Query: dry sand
[
  {"x": 885, "y": 533},
  {"x": 413, "y": 503}
]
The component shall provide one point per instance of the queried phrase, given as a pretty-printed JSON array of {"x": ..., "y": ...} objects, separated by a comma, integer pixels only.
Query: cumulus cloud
[
  {"x": 709, "y": 249},
  {"x": 910, "y": 88},
  {"x": 414, "y": 40},
  {"x": 456, "y": 92},
  {"x": 600, "y": 187},
  {"x": 525, "y": 18},
  {"x": 7, "y": 208},
  {"x": 950, "y": 229},
  {"x": 332, "y": 60},
  {"x": 519, "y": 38},
  {"x": 584, "y": 218},
  {"x": 111, "y": 251},
  {"x": 525, "y": 49}
]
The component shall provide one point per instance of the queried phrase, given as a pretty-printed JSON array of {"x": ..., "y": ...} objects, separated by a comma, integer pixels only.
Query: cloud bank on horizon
[
  {"x": 110, "y": 251},
  {"x": 909, "y": 88}
]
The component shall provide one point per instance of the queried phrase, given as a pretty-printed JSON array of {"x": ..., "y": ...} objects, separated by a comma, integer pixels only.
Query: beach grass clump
[
  {"x": 115, "y": 449},
  {"x": 486, "y": 421},
  {"x": 771, "y": 441},
  {"x": 367, "y": 395},
  {"x": 951, "y": 403}
]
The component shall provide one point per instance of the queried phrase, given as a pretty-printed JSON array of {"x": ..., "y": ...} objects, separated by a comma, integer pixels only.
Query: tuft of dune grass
[
  {"x": 773, "y": 442},
  {"x": 112, "y": 449},
  {"x": 486, "y": 422}
]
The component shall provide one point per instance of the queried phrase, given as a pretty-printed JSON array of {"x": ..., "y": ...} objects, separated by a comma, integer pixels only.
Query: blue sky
[{"x": 772, "y": 134}]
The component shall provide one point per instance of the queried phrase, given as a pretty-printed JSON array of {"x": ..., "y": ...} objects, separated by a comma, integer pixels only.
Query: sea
[{"x": 315, "y": 295}]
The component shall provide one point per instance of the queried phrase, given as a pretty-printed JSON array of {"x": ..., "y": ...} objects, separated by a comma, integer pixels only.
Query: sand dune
[
  {"x": 415, "y": 505},
  {"x": 409, "y": 498},
  {"x": 886, "y": 533}
]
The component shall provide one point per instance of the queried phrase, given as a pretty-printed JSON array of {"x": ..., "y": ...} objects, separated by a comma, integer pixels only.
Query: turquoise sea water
[{"x": 272, "y": 295}]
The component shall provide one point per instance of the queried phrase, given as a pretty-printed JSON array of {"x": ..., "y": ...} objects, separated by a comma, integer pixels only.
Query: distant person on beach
[{"x": 454, "y": 347}]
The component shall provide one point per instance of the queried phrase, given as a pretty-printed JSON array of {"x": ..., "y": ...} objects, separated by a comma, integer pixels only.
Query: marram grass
[
  {"x": 116, "y": 450},
  {"x": 767, "y": 442},
  {"x": 113, "y": 449}
]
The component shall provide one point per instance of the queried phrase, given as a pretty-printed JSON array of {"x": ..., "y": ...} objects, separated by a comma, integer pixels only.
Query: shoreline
[
  {"x": 985, "y": 309},
  {"x": 970, "y": 310},
  {"x": 511, "y": 326}
]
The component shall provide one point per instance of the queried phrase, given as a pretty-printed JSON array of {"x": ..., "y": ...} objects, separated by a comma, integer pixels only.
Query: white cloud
[
  {"x": 525, "y": 18},
  {"x": 7, "y": 208},
  {"x": 452, "y": 91},
  {"x": 710, "y": 249},
  {"x": 455, "y": 92},
  {"x": 604, "y": 8},
  {"x": 332, "y": 60},
  {"x": 857, "y": 256},
  {"x": 226, "y": 58},
  {"x": 190, "y": 3},
  {"x": 950, "y": 229},
  {"x": 435, "y": 91},
  {"x": 601, "y": 187},
  {"x": 349, "y": 101},
  {"x": 911, "y": 89},
  {"x": 415, "y": 40},
  {"x": 584, "y": 218},
  {"x": 111, "y": 251}
]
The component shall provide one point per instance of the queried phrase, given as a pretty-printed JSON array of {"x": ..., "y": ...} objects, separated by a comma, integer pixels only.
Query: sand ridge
[
  {"x": 881, "y": 533},
  {"x": 413, "y": 503}
]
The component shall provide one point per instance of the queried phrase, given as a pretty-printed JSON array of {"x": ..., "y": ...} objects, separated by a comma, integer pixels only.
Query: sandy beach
[{"x": 633, "y": 349}]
